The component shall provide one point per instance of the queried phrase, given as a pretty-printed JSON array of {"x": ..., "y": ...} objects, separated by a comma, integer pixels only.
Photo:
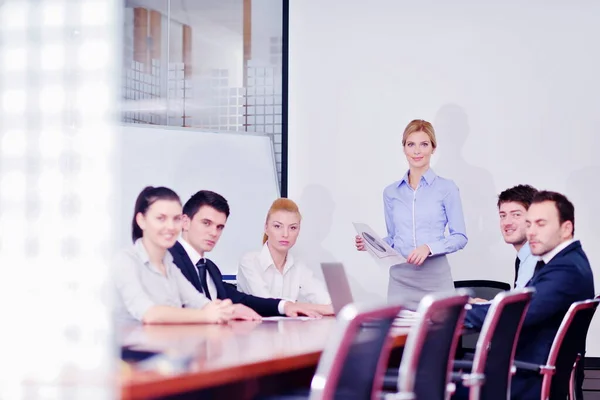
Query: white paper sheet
[
  {"x": 381, "y": 252},
  {"x": 287, "y": 318}
]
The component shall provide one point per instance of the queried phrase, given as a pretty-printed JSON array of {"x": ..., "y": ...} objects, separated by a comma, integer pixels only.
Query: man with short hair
[
  {"x": 204, "y": 217},
  {"x": 513, "y": 204},
  {"x": 562, "y": 276}
]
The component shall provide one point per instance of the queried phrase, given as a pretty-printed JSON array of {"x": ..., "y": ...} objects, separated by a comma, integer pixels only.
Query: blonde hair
[
  {"x": 419, "y": 125},
  {"x": 281, "y": 204}
]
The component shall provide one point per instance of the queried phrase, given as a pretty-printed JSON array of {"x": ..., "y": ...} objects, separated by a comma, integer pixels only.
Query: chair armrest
[
  {"x": 390, "y": 380},
  {"x": 456, "y": 377},
  {"x": 542, "y": 369},
  {"x": 462, "y": 365},
  {"x": 527, "y": 366}
]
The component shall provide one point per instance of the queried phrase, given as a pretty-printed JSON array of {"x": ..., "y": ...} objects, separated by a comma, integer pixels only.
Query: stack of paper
[{"x": 406, "y": 318}]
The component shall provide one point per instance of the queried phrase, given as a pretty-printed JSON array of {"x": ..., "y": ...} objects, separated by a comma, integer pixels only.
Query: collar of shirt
[
  {"x": 429, "y": 176},
  {"x": 525, "y": 252},
  {"x": 266, "y": 260},
  {"x": 141, "y": 252},
  {"x": 550, "y": 255},
  {"x": 191, "y": 252}
]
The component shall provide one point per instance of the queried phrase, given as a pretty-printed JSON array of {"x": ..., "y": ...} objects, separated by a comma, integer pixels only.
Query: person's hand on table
[
  {"x": 297, "y": 309},
  {"x": 217, "y": 311},
  {"x": 477, "y": 300},
  {"x": 323, "y": 309},
  {"x": 242, "y": 312}
]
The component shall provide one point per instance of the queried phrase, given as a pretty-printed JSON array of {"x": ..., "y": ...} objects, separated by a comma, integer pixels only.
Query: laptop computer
[
  {"x": 340, "y": 293},
  {"x": 337, "y": 285}
]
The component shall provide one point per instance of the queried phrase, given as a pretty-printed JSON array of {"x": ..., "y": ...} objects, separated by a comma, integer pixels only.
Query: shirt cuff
[
  {"x": 430, "y": 251},
  {"x": 436, "y": 248},
  {"x": 281, "y": 307}
]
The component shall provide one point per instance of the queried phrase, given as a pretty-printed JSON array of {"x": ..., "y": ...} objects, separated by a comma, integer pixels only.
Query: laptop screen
[{"x": 337, "y": 285}]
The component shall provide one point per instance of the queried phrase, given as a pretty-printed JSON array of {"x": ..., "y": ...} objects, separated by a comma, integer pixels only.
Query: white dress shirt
[
  {"x": 195, "y": 257},
  {"x": 526, "y": 267},
  {"x": 140, "y": 285},
  {"x": 212, "y": 289},
  {"x": 257, "y": 275},
  {"x": 550, "y": 255}
]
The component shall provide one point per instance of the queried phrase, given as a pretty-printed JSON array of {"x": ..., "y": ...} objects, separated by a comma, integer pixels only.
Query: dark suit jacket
[
  {"x": 567, "y": 278},
  {"x": 264, "y": 307}
]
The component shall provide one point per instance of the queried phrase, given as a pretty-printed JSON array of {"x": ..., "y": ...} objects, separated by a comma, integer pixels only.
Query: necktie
[
  {"x": 538, "y": 266},
  {"x": 517, "y": 265},
  {"x": 201, "y": 265}
]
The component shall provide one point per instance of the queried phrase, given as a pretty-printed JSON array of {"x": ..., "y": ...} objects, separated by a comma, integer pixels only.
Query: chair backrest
[
  {"x": 353, "y": 362},
  {"x": 483, "y": 289},
  {"x": 429, "y": 351},
  {"x": 495, "y": 350},
  {"x": 568, "y": 342}
]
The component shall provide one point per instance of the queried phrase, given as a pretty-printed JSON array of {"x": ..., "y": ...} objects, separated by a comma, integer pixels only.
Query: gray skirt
[{"x": 409, "y": 283}]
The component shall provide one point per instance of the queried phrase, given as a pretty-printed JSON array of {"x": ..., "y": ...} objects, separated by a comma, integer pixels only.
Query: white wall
[{"x": 511, "y": 87}]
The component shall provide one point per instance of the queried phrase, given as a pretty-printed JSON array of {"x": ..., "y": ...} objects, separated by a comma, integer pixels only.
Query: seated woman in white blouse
[
  {"x": 273, "y": 271},
  {"x": 150, "y": 287}
]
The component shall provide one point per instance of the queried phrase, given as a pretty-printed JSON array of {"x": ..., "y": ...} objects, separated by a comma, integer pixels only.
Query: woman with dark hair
[{"x": 151, "y": 289}]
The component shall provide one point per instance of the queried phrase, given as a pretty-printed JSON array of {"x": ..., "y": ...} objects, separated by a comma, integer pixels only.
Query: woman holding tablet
[{"x": 417, "y": 210}]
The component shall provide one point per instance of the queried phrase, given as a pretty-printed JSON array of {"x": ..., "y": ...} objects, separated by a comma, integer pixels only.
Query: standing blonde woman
[
  {"x": 273, "y": 271},
  {"x": 417, "y": 210}
]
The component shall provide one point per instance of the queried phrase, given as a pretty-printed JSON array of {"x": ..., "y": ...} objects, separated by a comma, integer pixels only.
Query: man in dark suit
[
  {"x": 562, "y": 276},
  {"x": 204, "y": 218}
]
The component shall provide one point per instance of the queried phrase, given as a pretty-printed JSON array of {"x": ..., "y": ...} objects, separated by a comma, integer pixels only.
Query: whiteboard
[{"x": 239, "y": 166}]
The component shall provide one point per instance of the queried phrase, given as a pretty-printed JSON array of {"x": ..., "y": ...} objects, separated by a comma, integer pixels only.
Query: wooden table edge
[{"x": 188, "y": 382}]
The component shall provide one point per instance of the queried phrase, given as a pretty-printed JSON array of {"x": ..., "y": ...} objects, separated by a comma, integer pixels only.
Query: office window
[{"x": 214, "y": 65}]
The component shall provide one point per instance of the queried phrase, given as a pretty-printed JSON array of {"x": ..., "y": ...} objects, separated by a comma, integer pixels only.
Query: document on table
[
  {"x": 406, "y": 318},
  {"x": 282, "y": 318},
  {"x": 381, "y": 252}
]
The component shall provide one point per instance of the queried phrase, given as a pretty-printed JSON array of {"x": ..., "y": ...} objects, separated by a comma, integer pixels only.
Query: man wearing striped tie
[{"x": 204, "y": 217}]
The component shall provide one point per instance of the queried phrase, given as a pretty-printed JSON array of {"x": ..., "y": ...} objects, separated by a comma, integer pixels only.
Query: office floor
[{"x": 591, "y": 385}]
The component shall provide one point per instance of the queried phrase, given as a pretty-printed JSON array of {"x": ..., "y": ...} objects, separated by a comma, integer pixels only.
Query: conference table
[{"x": 239, "y": 359}]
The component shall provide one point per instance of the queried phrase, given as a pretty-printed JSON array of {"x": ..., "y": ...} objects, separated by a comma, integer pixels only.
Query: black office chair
[
  {"x": 426, "y": 365},
  {"x": 355, "y": 357},
  {"x": 578, "y": 375},
  {"x": 482, "y": 289},
  {"x": 570, "y": 338},
  {"x": 488, "y": 375}
]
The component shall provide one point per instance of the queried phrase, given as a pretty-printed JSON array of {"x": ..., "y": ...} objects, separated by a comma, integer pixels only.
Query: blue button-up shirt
[
  {"x": 417, "y": 217},
  {"x": 526, "y": 267}
]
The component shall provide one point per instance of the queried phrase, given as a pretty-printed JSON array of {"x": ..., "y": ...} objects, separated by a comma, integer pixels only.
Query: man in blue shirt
[{"x": 513, "y": 204}]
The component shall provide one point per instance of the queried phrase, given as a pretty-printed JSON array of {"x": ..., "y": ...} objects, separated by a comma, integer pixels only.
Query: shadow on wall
[
  {"x": 477, "y": 191},
  {"x": 317, "y": 207},
  {"x": 580, "y": 190}
]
